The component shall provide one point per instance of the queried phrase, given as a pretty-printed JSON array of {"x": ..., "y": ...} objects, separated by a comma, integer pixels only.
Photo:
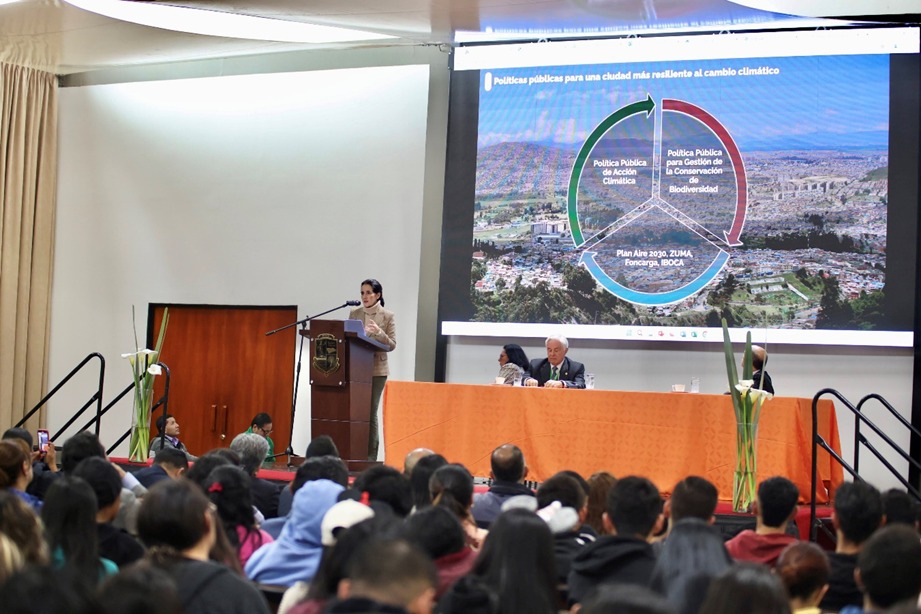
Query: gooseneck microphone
[{"x": 353, "y": 303}]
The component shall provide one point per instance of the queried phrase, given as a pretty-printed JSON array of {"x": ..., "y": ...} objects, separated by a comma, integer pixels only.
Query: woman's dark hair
[
  {"x": 516, "y": 355},
  {"x": 451, "y": 486},
  {"x": 12, "y": 457},
  {"x": 41, "y": 590},
  {"x": 420, "y": 476},
  {"x": 69, "y": 515},
  {"x": 517, "y": 562},
  {"x": 20, "y": 524},
  {"x": 199, "y": 473},
  {"x": 140, "y": 589},
  {"x": 228, "y": 487},
  {"x": 321, "y": 445},
  {"x": 803, "y": 567},
  {"x": 376, "y": 287},
  {"x": 746, "y": 587},
  {"x": 172, "y": 516},
  {"x": 691, "y": 557},
  {"x": 436, "y": 530},
  {"x": 599, "y": 485},
  {"x": 624, "y": 599}
]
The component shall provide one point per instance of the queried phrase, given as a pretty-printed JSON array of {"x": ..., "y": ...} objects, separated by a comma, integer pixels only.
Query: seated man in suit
[
  {"x": 759, "y": 359},
  {"x": 556, "y": 371},
  {"x": 169, "y": 463}
]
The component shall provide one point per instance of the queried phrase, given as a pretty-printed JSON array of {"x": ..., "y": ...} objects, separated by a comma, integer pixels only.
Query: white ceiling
[{"x": 57, "y": 37}]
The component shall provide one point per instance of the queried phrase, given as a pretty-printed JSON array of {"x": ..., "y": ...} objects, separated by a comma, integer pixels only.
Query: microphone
[{"x": 353, "y": 303}]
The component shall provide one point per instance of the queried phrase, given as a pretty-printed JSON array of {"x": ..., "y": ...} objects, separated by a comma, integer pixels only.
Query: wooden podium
[{"x": 341, "y": 360}]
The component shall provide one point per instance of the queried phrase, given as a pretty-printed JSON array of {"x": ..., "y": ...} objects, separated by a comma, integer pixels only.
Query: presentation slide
[{"x": 665, "y": 196}]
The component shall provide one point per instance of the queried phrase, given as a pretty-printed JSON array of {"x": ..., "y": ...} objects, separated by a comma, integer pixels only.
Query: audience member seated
[
  {"x": 85, "y": 445},
  {"x": 556, "y": 371},
  {"x": 322, "y": 445},
  {"x": 775, "y": 507},
  {"x": 516, "y": 563},
  {"x": 140, "y": 589},
  {"x": 168, "y": 437},
  {"x": 337, "y": 557},
  {"x": 419, "y": 480},
  {"x": 888, "y": 570},
  {"x": 199, "y": 472},
  {"x": 513, "y": 364},
  {"x": 228, "y": 490},
  {"x": 295, "y": 555},
  {"x": 898, "y": 507},
  {"x": 179, "y": 527},
  {"x": 16, "y": 471},
  {"x": 69, "y": 516},
  {"x": 314, "y": 468},
  {"x": 440, "y": 535},
  {"x": 622, "y": 555},
  {"x": 22, "y": 526},
  {"x": 599, "y": 485},
  {"x": 692, "y": 497},
  {"x": 252, "y": 449},
  {"x": 507, "y": 470},
  {"x": 562, "y": 488},
  {"x": 386, "y": 485},
  {"x": 692, "y": 556},
  {"x": 858, "y": 512},
  {"x": 624, "y": 599},
  {"x": 44, "y": 464},
  {"x": 261, "y": 425},
  {"x": 40, "y": 590},
  {"x": 387, "y": 575},
  {"x": 746, "y": 587},
  {"x": 759, "y": 375},
  {"x": 804, "y": 569},
  {"x": 169, "y": 463},
  {"x": 409, "y": 462},
  {"x": 451, "y": 486},
  {"x": 115, "y": 544}
]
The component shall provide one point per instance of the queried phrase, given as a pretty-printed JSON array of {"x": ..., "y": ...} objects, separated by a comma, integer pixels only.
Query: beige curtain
[{"x": 28, "y": 178}]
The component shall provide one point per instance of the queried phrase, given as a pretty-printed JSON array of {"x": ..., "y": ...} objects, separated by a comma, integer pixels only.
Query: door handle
[
  {"x": 224, "y": 430},
  {"x": 213, "y": 418}
]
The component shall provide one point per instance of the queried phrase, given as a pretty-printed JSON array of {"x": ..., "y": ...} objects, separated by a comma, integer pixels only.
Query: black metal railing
[
  {"x": 95, "y": 398},
  {"x": 859, "y": 440}
]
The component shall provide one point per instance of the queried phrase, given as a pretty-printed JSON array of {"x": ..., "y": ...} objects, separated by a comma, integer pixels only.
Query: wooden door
[{"x": 225, "y": 370}]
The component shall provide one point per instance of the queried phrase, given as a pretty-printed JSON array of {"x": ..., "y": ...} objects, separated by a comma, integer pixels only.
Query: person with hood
[
  {"x": 295, "y": 555},
  {"x": 634, "y": 512}
]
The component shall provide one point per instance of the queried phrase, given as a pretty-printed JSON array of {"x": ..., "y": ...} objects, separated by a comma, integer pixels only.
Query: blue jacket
[{"x": 295, "y": 555}]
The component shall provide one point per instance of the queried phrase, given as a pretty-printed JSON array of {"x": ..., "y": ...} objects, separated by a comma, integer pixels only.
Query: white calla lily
[{"x": 155, "y": 369}]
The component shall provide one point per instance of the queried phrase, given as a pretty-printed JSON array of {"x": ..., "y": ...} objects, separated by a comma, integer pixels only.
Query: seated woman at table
[{"x": 513, "y": 363}]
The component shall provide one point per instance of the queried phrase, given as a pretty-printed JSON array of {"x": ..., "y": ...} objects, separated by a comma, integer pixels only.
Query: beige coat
[{"x": 383, "y": 318}]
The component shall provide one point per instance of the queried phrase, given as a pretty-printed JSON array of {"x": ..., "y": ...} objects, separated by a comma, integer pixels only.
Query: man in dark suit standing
[{"x": 556, "y": 371}]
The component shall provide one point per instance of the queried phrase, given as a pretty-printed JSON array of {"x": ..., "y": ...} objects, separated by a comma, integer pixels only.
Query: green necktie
[{"x": 554, "y": 374}]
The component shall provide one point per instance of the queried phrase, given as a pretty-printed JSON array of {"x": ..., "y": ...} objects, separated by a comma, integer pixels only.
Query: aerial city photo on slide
[{"x": 678, "y": 193}]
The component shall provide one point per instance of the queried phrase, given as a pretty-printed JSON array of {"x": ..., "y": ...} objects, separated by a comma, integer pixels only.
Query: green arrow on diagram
[{"x": 622, "y": 113}]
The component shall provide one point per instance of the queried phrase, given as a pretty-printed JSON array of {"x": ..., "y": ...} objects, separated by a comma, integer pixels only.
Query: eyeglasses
[{"x": 265, "y": 431}]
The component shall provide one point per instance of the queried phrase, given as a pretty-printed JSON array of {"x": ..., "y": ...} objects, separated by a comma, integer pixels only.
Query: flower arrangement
[
  {"x": 746, "y": 402},
  {"x": 144, "y": 369}
]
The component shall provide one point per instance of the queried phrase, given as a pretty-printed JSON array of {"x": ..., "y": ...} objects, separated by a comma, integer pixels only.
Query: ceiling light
[{"x": 218, "y": 23}]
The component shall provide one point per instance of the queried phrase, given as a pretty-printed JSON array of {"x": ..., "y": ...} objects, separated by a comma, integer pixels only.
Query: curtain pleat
[{"x": 28, "y": 180}]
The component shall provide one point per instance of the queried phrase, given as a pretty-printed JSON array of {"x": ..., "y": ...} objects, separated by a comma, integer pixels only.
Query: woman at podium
[{"x": 380, "y": 326}]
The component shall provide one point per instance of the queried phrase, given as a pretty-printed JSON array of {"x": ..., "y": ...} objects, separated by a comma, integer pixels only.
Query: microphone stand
[{"x": 297, "y": 372}]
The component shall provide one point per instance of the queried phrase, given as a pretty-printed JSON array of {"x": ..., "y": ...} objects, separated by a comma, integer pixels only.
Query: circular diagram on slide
[{"x": 655, "y": 198}]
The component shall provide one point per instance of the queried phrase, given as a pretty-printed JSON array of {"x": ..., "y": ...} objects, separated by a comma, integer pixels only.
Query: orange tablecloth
[{"x": 663, "y": 436}]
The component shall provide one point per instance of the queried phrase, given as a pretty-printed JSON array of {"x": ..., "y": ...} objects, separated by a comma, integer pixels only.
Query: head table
[{"x": 662, "y": 436}]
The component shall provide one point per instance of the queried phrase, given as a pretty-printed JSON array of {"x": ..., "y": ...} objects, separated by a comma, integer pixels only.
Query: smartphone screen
[{"x": 42, "y": 440}]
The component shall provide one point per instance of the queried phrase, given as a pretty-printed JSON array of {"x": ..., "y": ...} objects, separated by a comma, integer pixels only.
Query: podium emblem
[{"x": 326, "y": 353}]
